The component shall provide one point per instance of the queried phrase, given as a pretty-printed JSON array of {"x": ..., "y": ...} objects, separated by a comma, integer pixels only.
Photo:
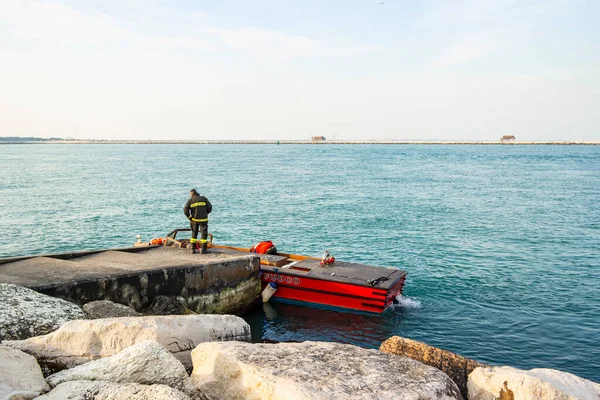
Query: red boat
[
  {"x": 306, "y": 280},
  {"x": 312, "y": 281}
]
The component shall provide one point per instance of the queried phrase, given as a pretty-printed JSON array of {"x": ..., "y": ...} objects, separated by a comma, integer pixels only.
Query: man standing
[{"x": 196, "y": 210}]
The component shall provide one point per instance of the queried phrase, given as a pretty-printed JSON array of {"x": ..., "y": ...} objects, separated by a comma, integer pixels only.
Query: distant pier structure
[
  {"x": 507, "y": 138},
  {"x": 318, "y": 139}
]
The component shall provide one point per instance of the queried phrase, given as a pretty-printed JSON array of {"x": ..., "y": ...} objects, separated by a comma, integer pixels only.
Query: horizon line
[{"x": 301, "y": 142}]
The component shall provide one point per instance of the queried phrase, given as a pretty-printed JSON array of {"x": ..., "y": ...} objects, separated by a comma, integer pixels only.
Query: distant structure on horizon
[
  {"x": 318, "y": 138},
  {"x": 507, "y": 138}
]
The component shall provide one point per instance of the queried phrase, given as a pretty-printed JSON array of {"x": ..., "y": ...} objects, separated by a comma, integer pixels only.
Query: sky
[{"x": 288, "y": 70}]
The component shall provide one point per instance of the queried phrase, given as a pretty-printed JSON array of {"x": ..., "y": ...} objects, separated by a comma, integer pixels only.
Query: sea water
[{"x": 501, "y": 243}]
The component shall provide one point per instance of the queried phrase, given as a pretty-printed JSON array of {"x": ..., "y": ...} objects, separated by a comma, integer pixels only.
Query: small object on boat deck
[
  {"x": 374, "y": 282},
  {"x": 333, "y": 273},
  {"x": 264, "y": 247},
  {"x": 327, "y": 258},
  {"x": 286, "y": 266}
]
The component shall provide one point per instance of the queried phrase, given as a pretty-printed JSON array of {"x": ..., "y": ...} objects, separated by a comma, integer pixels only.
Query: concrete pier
[{"x": 217, "y": 282}]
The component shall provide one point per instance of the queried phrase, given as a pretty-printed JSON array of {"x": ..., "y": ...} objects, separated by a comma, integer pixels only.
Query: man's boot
[
  {"x": 194, "y": 248},
  {"x": 204, "y": 249}
]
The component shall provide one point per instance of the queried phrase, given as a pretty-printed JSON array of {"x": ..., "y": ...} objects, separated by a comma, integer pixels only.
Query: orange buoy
[{"x": 157, "y": 241}]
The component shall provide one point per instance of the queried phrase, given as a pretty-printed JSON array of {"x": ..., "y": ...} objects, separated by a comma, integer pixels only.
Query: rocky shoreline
[{"x": 52, "y": 349}]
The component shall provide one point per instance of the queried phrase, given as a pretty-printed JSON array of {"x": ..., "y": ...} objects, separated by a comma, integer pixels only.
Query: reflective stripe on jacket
[{"x": 197, "y": 209}]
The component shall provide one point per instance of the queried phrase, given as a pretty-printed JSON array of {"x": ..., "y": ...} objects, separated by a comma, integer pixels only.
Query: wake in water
[{"x": 406, "y": 302}]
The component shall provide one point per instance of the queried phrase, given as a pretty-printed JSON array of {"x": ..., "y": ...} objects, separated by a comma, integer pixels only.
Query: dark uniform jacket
[{"x": 197, "y": 209}]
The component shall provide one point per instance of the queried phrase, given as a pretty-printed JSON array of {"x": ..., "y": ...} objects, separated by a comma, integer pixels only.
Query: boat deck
[{"x": 340, "y": 271}]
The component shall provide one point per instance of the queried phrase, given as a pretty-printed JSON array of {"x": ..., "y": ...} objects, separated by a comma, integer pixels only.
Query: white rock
[
  {"x": 80, "y": 390},
  {"x": 20, "y": 375},
  {"x": 315, "y": 371},
  {"x": 25, "y": 313},
  {"x": 548, "y": 384},
  {"x": 147, "y": 363},
  {"x": 78, "y": 342}
]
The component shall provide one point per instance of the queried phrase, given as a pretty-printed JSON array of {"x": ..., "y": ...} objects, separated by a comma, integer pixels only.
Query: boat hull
[
  {"x": 342, "y": 285},
  {"x": 311, "y": 291}
]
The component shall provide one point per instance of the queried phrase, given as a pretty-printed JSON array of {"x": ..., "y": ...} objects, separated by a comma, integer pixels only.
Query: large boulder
[
  {"x": 456, "y": 367},
  {"x": 78, "y": 342},
  {"x": 107, "y": 309},
  {"x": 506, "y": 383},
  {"x": 97, "y": 390},
  {"x": 147, "y": 363},
  {"x": 25, "y": 313},
  {"x": 20, "y": 375},
  {"x": 313, "y": 370}
]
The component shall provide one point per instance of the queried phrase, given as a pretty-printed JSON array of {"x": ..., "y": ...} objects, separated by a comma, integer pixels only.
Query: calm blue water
[{"x": 502, "y": 243}]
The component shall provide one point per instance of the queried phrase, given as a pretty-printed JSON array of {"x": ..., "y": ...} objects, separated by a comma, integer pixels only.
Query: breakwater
[
  {"x": 142, "y": 277},
  {"x": 207, "y": 357}
]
